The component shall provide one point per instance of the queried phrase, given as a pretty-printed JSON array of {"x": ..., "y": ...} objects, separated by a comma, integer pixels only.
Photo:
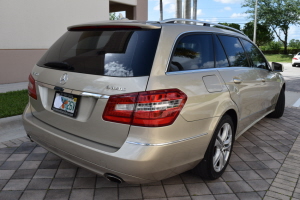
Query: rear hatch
[{"x": 76, "y": 76}]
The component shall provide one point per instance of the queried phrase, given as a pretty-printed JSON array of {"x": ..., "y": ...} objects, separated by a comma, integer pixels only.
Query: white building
[{"x": 28, "y": 28}]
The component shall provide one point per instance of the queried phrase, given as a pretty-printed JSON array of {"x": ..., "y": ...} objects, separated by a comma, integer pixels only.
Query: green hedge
[{"x": 281, "y": 51}]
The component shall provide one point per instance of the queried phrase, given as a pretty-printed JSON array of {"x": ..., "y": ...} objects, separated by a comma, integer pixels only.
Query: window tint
[
  {"x": 193, "y": 52},
  {"x": 118, "y": 53},
  {"x": 235, "y": 51},
  {"x": 221, "y": 58},
  {"x": 255, "y": 55}
]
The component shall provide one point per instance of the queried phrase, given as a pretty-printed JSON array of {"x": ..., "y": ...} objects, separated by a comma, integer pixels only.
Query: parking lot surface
[{"x": 264, "y": 165}]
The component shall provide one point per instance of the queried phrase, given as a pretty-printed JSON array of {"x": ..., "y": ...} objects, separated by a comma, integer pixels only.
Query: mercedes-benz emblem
[{"x": 63, "y": 79}]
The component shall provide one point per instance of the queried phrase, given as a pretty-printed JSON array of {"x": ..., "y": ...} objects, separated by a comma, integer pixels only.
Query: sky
[{"x": 215, "y": 11}]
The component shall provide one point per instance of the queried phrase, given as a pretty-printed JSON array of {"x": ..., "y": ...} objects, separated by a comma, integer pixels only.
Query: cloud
[
  {"x": 239, "y": 15},
  {"x": 229, "y": 1},
  {"x": 166, "y": 4},
  {"x": 227, "y": 8},
  {"x": 212, "y": 20},
  {"x": 294, "y": 33},
  {"x": 199, "y": 12},
  {"x": 170, "y": 8}
]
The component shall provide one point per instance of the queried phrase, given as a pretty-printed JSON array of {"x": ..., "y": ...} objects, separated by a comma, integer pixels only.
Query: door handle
[{"x": 237, "y": 80}]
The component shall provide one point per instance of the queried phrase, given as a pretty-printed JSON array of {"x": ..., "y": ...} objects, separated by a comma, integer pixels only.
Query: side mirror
[{"x": 277, "y": 67}]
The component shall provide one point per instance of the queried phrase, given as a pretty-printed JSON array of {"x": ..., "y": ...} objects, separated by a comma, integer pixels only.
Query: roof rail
[{"x": 205, "y": 23}]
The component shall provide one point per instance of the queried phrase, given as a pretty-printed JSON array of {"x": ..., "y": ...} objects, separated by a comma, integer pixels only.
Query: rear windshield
[{"x": 120, "y": 53}]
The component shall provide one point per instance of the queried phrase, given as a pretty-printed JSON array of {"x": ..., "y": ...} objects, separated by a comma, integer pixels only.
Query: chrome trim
[
  {"x": 97, "y": 96},
  {"x": 45, "y": 85},
  {"x": 105, "y": 97},
  {"x": 190, "y": 71},
  {"x": 167, "y": 143}
]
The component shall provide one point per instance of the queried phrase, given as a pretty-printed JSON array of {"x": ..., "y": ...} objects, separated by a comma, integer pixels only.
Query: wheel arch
[{"x": 232, "y": 113}]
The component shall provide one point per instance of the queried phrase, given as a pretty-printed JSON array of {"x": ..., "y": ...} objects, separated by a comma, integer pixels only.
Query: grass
[
  {"x": 13, "y": 103},
  {"x": 279, "y": 58}
]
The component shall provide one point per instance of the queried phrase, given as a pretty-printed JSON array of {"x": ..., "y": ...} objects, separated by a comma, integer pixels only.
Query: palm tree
[
  {"x": 179, "y": 9},
  {"x": 161, "y": 9},
  {"x": 195, "y": 9}
]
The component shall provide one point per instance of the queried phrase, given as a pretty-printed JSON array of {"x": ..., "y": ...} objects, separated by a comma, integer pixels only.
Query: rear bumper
[{"x": 133, "y": 162}]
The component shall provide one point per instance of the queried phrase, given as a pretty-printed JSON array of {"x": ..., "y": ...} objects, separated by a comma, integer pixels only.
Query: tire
[
  {"x": 279, "y": 108},
  {"x": 219, "y": 150},
  {"x": 293, "y": 65}
]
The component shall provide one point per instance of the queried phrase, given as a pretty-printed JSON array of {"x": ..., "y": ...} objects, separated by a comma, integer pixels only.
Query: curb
[{"x": 11, "y": 128}]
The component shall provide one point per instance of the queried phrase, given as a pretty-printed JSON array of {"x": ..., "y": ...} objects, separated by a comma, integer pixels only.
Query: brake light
[
  {"x": 295, "y": 58},
  {"x": 151, "y": 109},
  {"x": 31, "y": 87}
]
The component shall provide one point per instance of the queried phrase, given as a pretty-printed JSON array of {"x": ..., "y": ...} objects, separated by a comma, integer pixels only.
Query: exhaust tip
[{"x": 113, "y": 178}]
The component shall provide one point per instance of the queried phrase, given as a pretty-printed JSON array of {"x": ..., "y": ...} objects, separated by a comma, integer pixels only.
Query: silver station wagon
[{"x": 139, "y": 101}]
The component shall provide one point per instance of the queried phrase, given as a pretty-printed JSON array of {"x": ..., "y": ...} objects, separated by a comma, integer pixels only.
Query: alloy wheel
[{"x": 222, "y": 147}]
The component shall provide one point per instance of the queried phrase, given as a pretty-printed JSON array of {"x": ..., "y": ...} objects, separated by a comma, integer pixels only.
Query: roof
[{"x": 189, "y": 24}]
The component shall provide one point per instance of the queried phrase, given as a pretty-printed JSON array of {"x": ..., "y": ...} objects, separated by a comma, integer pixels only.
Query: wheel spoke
[
  {"x": 227, "y": 147},
  {"x": 222, "y": 161},
  {"x": 225, "y": 129},
  {"x": 228, "y": 141},
  {"x": 218, "y": 142},
  {"x": 216, "y": 158}
]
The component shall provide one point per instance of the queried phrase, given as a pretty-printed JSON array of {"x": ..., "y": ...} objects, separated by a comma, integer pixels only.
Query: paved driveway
[{"x": 262, "y": 166}]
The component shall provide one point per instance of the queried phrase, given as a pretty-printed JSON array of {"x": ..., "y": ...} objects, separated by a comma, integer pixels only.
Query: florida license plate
[{"x": 65, "y": 104}]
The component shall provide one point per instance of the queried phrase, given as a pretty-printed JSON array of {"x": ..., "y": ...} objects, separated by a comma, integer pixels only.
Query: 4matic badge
[{"x": 115, "y": 88}]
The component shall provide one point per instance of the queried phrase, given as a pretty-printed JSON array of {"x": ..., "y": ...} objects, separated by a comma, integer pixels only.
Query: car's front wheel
[{"x": 219, "y": 151}]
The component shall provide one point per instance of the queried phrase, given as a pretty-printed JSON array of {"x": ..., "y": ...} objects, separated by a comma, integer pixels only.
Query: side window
[
  {"x": 221, "y": 58},
  {"x": 193, "y": 52},
  {"x": 255, "y": 55},
  {"x": 235, "y": 51}
]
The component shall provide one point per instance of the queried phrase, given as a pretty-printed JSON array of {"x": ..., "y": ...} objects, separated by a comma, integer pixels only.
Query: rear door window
[
  {"x": 234, "y": 51},
  {"x": 193, "y": 52},
  {"x": 221, "y": 58},
  {"x": 258, "y": 60},
  {"x": 119, "y": 53}
]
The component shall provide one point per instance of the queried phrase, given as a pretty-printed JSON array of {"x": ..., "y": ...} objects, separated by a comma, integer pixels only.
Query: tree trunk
[
  {"x": 179, "y": 9},
  {"x": 188, "y": 6},
  {"x": 161, "y": 10},
  {"x": 285, "y": 41},
  {"x": 195, "y": 9}
]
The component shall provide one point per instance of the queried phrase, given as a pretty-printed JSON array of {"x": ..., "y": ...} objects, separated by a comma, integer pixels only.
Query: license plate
[{"x": 65, "y": 104}]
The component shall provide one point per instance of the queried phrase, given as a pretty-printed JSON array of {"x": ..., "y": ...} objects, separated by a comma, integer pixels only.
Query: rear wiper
[{"x": 59, "y": 65}]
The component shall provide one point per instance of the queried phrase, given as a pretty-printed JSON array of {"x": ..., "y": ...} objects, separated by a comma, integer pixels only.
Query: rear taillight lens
[
  {"x": 295, "y": 58},
  {"x": 152, "y": 108},
  {"x": 31, "y": 87}
]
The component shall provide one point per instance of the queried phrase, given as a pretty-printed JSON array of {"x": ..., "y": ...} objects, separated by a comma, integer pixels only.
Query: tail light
[
  {"x": 295, "y": 58},
  {"x": 151, "y": 109},
  {"x": 31, "y": 87}
]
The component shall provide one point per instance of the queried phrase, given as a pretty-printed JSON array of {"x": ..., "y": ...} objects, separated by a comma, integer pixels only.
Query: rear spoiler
[{"x": 122, "y": 24}]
